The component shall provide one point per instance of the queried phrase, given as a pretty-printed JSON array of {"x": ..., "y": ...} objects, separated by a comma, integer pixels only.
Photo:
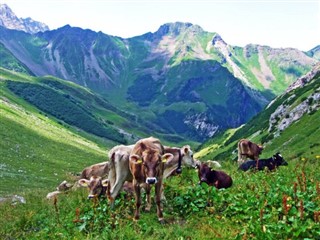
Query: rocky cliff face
[
  {"x": 9, "y": 20},
  {"x": 294, "y": 107}
]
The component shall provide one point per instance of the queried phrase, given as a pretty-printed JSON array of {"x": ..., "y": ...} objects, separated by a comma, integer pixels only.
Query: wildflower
[
  {"x": 301, "y": 209},
  {"x": 318, "y": 156}
]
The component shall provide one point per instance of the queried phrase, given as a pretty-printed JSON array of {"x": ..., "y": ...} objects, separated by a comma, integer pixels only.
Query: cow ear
[
  {"x": 135, "y": 159},
  {"x": 143, "y": 146},
  {"x": 84, "y": 182},
  {"x": 105, "y": 182},
  {"x": 186, "y": 149},
  {"x": 167, "y": 157}
]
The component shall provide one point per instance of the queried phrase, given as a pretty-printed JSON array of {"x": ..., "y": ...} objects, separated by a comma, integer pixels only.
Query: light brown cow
[
  {"x": 248, "y": 149},
  {"x": 147, "y": 162},
  {"x": 98, "y": 169}
]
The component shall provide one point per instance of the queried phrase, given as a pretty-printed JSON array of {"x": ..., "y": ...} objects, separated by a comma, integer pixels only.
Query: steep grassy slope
[
  {"x": 36, "y": 151},
  {"x": 9, "y": 61},
  {"x": 300, "y": 107}
]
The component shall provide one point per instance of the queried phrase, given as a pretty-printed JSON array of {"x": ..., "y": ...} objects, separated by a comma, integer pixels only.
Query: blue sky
[{"x": 276, "y": 23}]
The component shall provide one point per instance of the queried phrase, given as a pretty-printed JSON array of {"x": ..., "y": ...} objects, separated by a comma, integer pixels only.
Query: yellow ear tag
[
  {"x": 164, "y": 160},
  {"x": 139, "y": 161}
]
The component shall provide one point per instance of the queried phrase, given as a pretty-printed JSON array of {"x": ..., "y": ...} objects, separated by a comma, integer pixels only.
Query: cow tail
[
  {"x": 239, "y": 152},
  {"x": 179, "y": 170}
]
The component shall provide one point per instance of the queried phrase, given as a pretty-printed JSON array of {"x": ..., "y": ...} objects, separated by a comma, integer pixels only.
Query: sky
[{"x": 275, "y": 23}]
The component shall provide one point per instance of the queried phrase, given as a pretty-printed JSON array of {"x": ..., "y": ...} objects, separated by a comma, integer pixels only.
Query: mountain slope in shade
[{"x": 9, "y": 20}]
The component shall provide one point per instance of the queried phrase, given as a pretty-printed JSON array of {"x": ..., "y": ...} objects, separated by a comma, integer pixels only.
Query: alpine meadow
[{"x": 68, "y": 96}]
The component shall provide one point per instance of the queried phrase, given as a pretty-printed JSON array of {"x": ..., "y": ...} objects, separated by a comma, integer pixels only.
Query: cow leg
[
  {"x": 148, "y": 198},
  {"x": 112, "y": 178},
  {"x": 158, "y": 189},
  {"x": 118, "y": 185},
  {"x": 137, "y": 191}
]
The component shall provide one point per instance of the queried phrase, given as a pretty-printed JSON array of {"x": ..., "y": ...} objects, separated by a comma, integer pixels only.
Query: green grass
[
  {"x": 36, "y": 152},
  {"x": 252, "y": 208}
]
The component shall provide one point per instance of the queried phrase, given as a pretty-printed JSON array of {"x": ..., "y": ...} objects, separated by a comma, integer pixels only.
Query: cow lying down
[
  {"x": 62, "y": 188},
  {"x": 219, "y": 179},
  {"x": 270, "y": 163}
]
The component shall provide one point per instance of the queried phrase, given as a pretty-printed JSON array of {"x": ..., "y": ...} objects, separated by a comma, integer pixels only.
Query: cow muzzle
[{"x": 151, "y": 180}]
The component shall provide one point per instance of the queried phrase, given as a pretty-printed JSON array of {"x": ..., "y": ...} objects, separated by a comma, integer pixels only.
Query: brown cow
[
  {"x": 147, "y": 162},
  {"x": 219, "y": 179},
  {"x": 96, "y": 186},
  {"x": 248, "y": 149}
]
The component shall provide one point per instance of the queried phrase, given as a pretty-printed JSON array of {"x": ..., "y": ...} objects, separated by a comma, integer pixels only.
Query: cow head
[
  {"x": 95, "y": 185},
  {"x": 64, "y": 186},
  {"x": 203, "y": 172},
  {"x": 279, "y": 160},
  {"x": 149, "y": 167},
  {"x": 187, "y": 156},
  {"x": 260, "y": 148}
]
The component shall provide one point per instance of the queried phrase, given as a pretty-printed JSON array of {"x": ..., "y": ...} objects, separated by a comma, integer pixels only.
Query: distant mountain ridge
[
  {"x": 181, "y": 78},
  {"x": 9, "y": 20}
]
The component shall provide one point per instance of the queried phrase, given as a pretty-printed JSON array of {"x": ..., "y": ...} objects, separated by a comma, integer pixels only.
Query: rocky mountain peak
[
  {"x": 177, "y": 28},
  {"x": 9, "y": 20}
]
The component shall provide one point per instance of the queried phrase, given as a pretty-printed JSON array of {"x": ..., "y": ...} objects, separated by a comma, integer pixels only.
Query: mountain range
[
  {"x": 288, "y": 124},
  {"x": 181, "y": 81}
]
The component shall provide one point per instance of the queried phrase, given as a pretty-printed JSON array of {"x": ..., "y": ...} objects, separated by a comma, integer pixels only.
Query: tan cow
[
  {"x": 119, "y": 169},
  {"x": 248, "y": 149},
  {"x": 98, "y": 169},
  {"x": 147, "y": 162}
]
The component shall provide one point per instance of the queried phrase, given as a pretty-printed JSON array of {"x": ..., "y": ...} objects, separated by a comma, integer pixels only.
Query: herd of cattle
[{"x": 148, "y": 163}]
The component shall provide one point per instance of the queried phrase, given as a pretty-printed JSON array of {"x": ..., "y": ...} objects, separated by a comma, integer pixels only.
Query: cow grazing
[
  {"x": 119, "y": 169},
  {"x": 147, "y": 163},
  {"x": 219, "y": 179},
  {"x": 248, "y": 149},
  {"x": 96, "y": 186},
  {"x": 270, "y": 163}
]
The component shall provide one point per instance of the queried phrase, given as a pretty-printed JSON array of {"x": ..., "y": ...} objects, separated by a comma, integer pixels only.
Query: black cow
[{"x": 271, "y": 163}]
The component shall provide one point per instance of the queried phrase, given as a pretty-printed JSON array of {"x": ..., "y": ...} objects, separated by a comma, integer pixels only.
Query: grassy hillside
[
  {"x": 9, "y": 61},
  {"x": 36, "y": 151},
  {"x": 267, "y": 205}
]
